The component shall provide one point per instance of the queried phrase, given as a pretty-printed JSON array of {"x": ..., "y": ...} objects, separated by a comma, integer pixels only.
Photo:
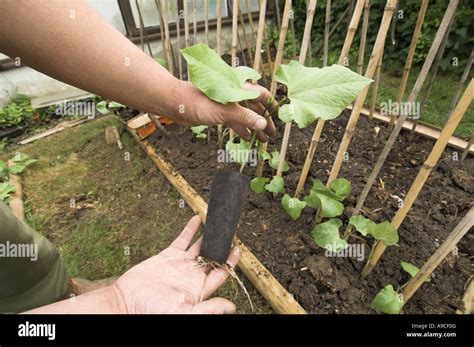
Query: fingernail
[{"x": 260, "y": 123}]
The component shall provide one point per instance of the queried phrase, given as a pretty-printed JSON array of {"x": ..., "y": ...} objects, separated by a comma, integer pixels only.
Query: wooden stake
[
  {"x": 293, "y": 36},
  {"x": 250, "y": 19},
  {"x": 374, "y": 59},
  {"x": 412, "y": 98},
  {"x": 206, "y": 20},
  {"x": 333, "y": 29},
  {"x": 276, "y": 65},
  {"x": 441, "y": 253},
  {"x": 363, "y": 37},
  {"x": 327, "y": 20},
  {"x": 424, "y": 172},
  {"x": 257, "y": 63},
  {"x": 375, "y": 90},
  {"x": 186, "y": 23},
  {"x": 194, "y": 23},
  {"x": 169, "y": 48},
  {"x": 235, "y": 13},
  {"x": 274, "y": 293},
  {"x": 143, "y": 30},
  {"x": 411, "y": 53},
  {"x": 278, "y": 16},
  {"x": 468, "y": 147},
  {"x": 178, "y": 43},
  {"x": 220, "y": 127},
  {"x": 246, "y": 40},
  {"x": 461, "y": 83},
  {"x": 354, "y": 23},
  {"x": 303, "y": 50}
]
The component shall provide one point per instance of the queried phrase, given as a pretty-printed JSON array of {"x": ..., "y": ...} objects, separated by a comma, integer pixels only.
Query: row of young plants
[
  {"x": 313, "y": 93},
  {"x": 20, "y": 162}
]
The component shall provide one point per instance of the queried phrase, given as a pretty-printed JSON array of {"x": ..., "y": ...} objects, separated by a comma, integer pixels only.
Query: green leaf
[
  {"x": 258, "y": 184},
  {"x": 276, "y": 159},
  {"x": 102, "y": 107},
  {"x": 17, "y": 168},
  {"x": 385, "y": 232},
  {"x": 342, "y": 188},
  {"x": 328, "y": 206},
  {"x": 276, "y": 185},
  {"x": 162, "y": 62},
  {"x": 326, "y": 235},
  {"x": 238, "y": 151},
  {"x": 412, "y": 269},
  {"x": 362, "y": 224},
  {"x": 264, "y": 155},
  {"x": 387, "y": 301},
  {"x": 3, "y": 169},
  {"x": 5, "y": 190},
  {"x": 198, "y": 130},
  {"x": 292, "y": 206},
  {"x": 114, "y": 105},
  {"x": 317, "y": 92},
  {"x": 217, "y": 80}
]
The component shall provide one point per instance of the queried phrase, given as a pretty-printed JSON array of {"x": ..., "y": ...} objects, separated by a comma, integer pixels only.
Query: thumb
[
  {"x": 246, "y": 118},
  {"x": 214, "y": 306}
]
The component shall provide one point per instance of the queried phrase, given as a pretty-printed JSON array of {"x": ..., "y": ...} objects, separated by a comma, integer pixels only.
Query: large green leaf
[
  {"x": 276, "y": 185},
  {"x": 385, "y": 232},
  {"x": 412, "y": 269},
  {"x": 362, "y": 224},
  {"x": 317, "y": 92},
  {"x": 325, "y": 200},
  {"x": 387, "y": 301},
  {"x": 258, "y": 184},
  {"x": 292, "y": 206},
  {"x": 326, "y": 235},
  {"x": 275, "y": 160},
  {"x": 342, "y": 188},
  {"x": 212, "y": 76},
  {"x": 5, "y": 190}
]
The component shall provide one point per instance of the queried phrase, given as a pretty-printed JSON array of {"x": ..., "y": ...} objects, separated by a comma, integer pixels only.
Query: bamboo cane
[
  {"x": 266, "y": 42},
  {"x": 194, "y": 23},
  {"x": 424, "y": 172},
  {"x": 257, "y": 63},
  {"x": 278, "y": 16},
  {"x": 169, "y": 48},
  {"x": 412, "y": 98},
  {"x": 374, "y": 59},
  {"x": 276, "y": 65},
  {"x": 178, "y": 44},
  {"x": 303, "y": 50},
  {"x": 206, "y": 21},
  {"x": 186, "y": 23},
  {"x": 460, "y": 85},
  {"x": 333, "y": 29},
  {"x": 143, "y": 30},
  {"x": 235, "y": 33},
  {"x": 293, "y": 36},
  {"x": 246, "y": 40},
  {"x": 375, "y": 90},
  {"x": 439, "y": 255},
  {"x": 250, "y": 19},
  {"x": 320, "y": 125},
  {"x": 244, "y": 56},
  {"x": 327, "y": 20},
  {"x": 162, "y": 32},
  {"x": 411, "y": 53},
  {"x": 219, "y": 52},
  {"x": 363, "y": 38}
]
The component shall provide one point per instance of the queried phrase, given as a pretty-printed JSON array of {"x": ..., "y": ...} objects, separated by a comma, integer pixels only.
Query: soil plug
[{"x": 226, "y": 203}]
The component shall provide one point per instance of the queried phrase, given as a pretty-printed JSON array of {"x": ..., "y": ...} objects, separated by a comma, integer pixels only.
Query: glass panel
[
  {"x": 199, "y": 9},
  {"x": 150, "y": 12}
]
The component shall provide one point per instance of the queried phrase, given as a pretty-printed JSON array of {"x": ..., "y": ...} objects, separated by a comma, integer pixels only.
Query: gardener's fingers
[
  {"x": 265, "y": 97},
  {"x": 218, "y": 275},
  {"x": 195, "y": 249},
  {"x": 242, "y": 131},
  {"x": 214, "y": 306},
  {"x": 184, "y": 239}
]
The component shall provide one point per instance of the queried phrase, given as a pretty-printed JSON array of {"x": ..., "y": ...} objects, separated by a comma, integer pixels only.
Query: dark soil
[{"x": 324, "y": 284}]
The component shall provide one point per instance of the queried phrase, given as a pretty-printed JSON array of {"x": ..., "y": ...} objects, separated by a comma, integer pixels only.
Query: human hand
[
  {"x": 197, "y": 109},
  {"x": 173, "y": 281}
]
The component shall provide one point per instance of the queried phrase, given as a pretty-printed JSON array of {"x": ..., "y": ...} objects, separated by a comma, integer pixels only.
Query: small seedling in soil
[
  {"x": 389, "y": 300},
  {"x": 105, "y": 107},
  {"x": 199, "y": 131},
  {"x": 20, "y": 162}
]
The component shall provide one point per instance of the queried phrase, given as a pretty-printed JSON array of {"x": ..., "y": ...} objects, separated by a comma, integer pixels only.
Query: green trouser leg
[{"x": 32, "y": 273}]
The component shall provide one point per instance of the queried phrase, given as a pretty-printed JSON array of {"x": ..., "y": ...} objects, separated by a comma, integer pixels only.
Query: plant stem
[{"x": 252, "y": 141}]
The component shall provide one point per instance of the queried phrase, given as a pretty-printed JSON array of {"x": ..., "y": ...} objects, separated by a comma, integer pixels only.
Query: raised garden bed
[{"x": 324, "y": 284}]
